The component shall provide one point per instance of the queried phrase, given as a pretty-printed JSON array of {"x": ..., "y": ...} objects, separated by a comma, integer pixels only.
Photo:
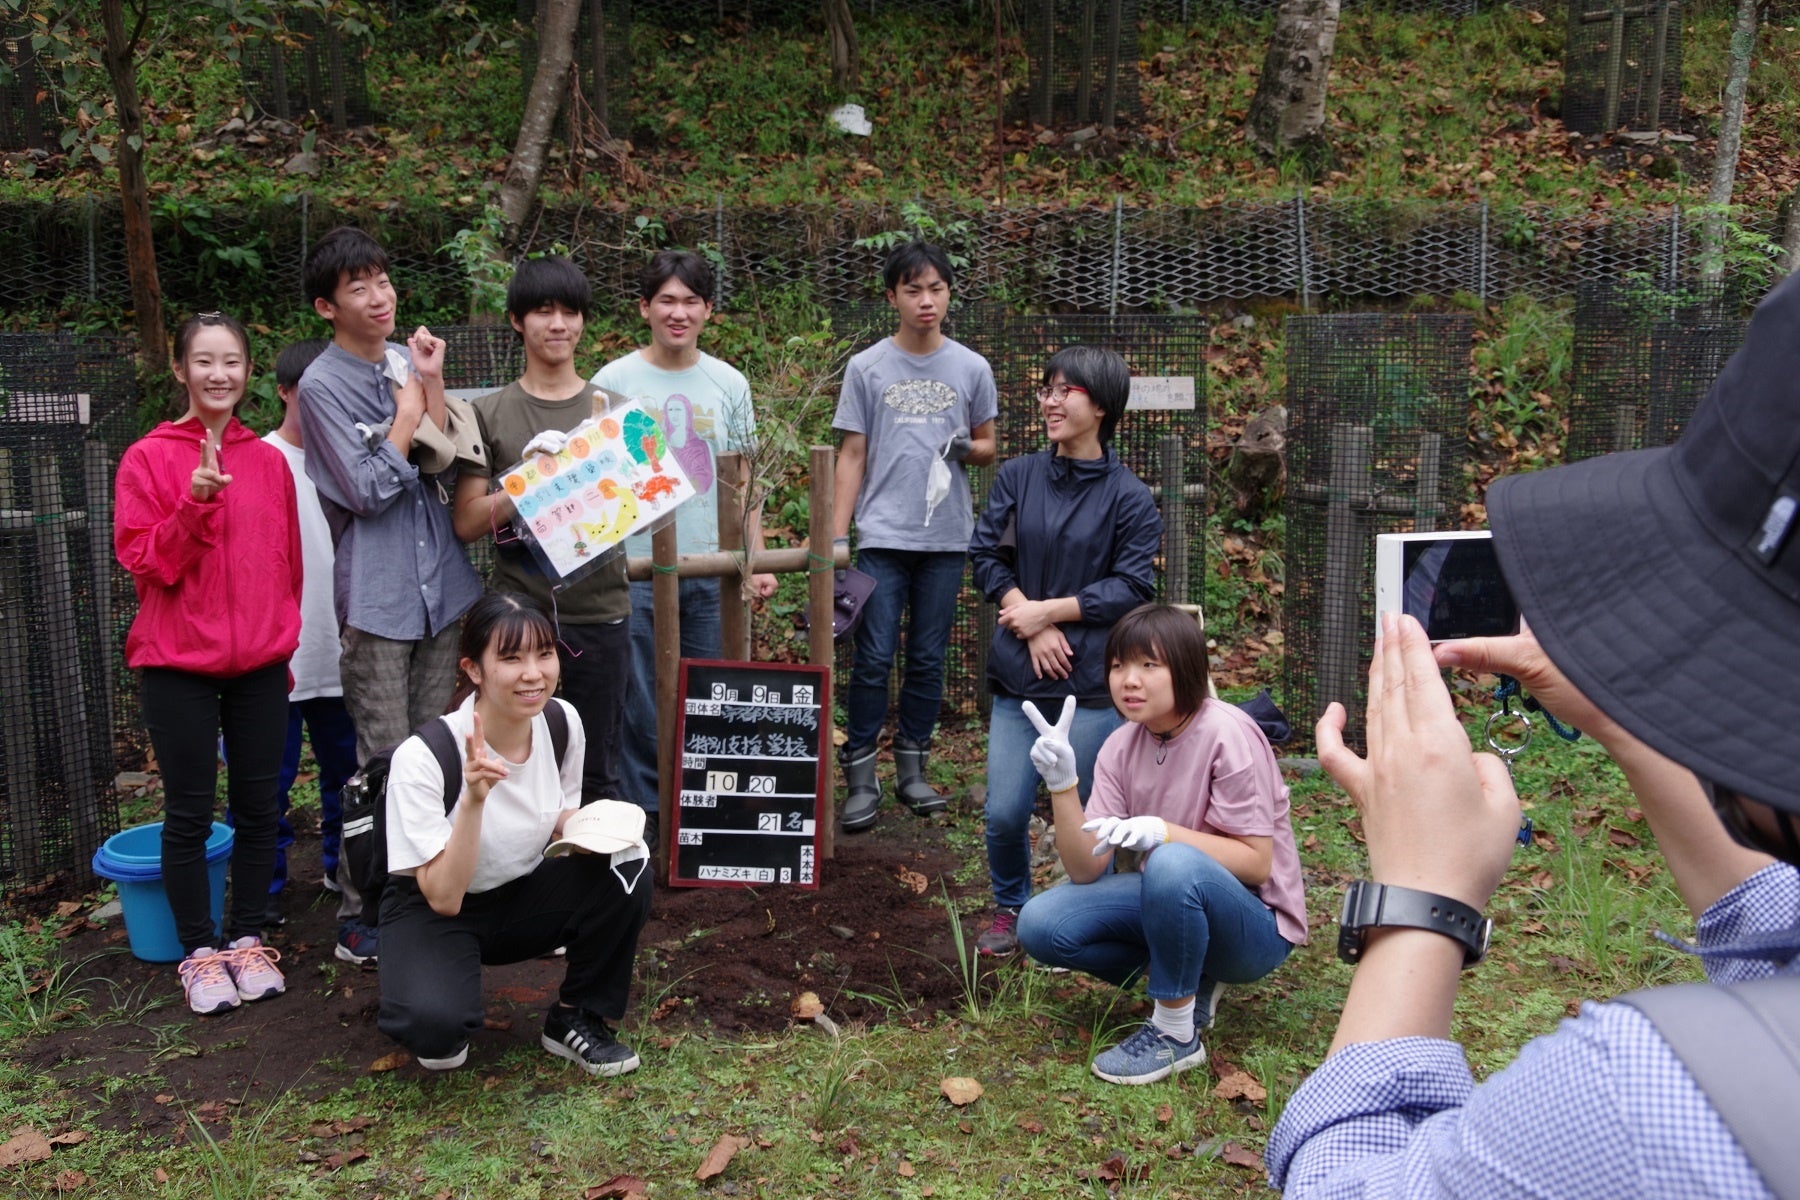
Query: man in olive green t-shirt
[{"x": 548, "y": 302}]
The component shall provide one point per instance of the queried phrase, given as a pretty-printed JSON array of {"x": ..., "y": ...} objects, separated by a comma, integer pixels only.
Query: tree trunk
[
  {"x": 1288, "y": 111},
  {"x": 1713, "y": 233},
  {"x": 1790, "y": 237},
  {"x": 556, "y": 50},
  {"x": 846, "y": 62},
  {"x": 120, "y": 58}
]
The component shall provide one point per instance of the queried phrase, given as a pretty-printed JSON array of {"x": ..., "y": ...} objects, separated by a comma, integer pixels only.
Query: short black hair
[
  {"x": 1172, "y": 637},
  {"x": 293, "y": 360},
  {"x": 1103, "y": 374},
  {"x": 549, "y": 280},
  {"x": 907, "y": 262},
  {"x": 345, "y": 253},
  {"x": 692, "y": 269}
]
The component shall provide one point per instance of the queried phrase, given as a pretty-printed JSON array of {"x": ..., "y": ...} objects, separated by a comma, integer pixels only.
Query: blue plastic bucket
[{"x": 132, "y": 858}]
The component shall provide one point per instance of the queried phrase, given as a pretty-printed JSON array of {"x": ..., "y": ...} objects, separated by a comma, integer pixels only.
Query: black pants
[
  {"x": 185, "y": 714},
  {"x": 596, "y": 670},
  {"x": 431, "y": 964}
]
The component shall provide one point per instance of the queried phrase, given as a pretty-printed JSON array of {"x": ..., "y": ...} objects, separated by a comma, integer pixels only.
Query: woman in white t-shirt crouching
[
  {"x": 1192, "y": 784},
  {"x": 473, "y": 885}
]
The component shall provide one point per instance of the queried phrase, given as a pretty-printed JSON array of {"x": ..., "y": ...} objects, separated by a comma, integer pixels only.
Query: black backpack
[{"x": 364, "y": 802}]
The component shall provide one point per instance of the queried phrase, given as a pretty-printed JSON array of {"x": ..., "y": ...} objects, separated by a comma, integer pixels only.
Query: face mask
[
  {"x": 639, "y": 854},
  {"x": 937, "y": 481}
]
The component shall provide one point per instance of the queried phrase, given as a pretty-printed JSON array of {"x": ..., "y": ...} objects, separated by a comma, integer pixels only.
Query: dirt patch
[{"x": 873, "y": 941}]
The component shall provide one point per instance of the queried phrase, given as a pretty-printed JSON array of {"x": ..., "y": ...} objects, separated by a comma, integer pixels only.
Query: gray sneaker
[
  {"x": 1147, "y": 1056},
  {"x": 1001, "y": 937}
]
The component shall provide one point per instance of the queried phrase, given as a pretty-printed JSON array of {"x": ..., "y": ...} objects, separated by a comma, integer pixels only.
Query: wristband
[{"x": 1369, "y": 905}]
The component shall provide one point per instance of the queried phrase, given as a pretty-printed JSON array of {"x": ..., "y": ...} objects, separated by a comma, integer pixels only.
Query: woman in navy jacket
[{"x": 1065, "y": 546}]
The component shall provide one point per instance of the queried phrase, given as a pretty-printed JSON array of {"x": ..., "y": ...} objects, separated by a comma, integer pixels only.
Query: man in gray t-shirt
[{"x": 915, "y": 408}]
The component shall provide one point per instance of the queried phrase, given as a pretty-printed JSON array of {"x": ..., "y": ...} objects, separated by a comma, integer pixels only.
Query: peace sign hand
[
  {"x": 481, "y": 769},
  {"x": 1052, "y": 754},
  {"x": 207, "y": 480}
]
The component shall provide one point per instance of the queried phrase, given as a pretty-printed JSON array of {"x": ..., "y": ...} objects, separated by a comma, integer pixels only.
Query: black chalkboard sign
[{"x": 750, "y": 794}]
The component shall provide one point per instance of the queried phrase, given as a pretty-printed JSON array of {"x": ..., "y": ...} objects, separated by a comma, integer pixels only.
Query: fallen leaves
[
  {"x": 390, "y": 1062},
  {"x": 960, "y": 1090},
  {"x": 720, "y": 1156},
  {"x": 619, "y": 1187},
  {"x": 26, "y": 1145},
  {"x": 1240, "y": 1085},
  {"x": 912, "y": 880},
  {"x": 806, "y": 1006},
  {"x": 1237, "y": 1156}
]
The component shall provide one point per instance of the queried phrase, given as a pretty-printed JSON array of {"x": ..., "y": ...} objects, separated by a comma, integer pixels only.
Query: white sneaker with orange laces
[
  {"x": 252, "y": 966},
  {"x": 210, "y": 987}
]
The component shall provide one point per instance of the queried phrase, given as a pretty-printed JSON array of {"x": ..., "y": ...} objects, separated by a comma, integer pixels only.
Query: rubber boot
[
  {"x": 909, "y": 778},
  {"x": 865, "y": 792}
]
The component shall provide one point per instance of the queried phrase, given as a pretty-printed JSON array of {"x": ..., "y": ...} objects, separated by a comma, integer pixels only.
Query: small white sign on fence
[{"x": 1162, "y": 392}]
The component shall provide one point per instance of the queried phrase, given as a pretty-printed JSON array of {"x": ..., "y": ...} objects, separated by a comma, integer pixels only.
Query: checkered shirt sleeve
[{"x": 1600, "y": 1108}]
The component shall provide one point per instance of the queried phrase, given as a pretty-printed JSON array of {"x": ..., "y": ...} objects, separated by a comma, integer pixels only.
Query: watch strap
[{"x": 1369, "y": 905}]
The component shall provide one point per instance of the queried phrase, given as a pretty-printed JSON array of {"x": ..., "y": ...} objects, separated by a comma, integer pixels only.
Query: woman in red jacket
[{"x": 206, "y": 523}]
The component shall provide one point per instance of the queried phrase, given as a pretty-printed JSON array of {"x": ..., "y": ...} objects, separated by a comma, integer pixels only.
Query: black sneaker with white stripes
[{"x": 586, "y": 1041}]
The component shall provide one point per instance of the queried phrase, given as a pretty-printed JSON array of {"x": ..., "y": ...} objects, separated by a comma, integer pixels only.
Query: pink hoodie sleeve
[{"x": 157, "y": 536}]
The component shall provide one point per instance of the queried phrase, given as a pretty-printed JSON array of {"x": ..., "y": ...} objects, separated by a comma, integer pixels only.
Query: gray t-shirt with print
[{"x": 908, "y": 406}]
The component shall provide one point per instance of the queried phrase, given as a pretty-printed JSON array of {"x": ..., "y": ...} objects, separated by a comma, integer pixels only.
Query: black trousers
[
  {"x": 596, "y": 670},
  {"x": 431, "y": 964},
  {"x": 185, "y": 714}
]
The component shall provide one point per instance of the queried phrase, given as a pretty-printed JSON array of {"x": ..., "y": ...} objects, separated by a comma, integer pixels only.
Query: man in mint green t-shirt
[{"x": 703, "y": 405}]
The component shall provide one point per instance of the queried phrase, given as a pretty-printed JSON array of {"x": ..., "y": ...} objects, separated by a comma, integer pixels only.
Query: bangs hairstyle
[
  {"x": 344, "y": 254},
  {"x": 293, "y": 360},
  {"x": 506, "y": 621},
  {"x": 1172, "y": 638},
  {"x": 1105, "y": 377},
  {"x": 184, "y": 337},
  {"x": 906, "y": 263},
  {"x": 685, "y": 265},
  {"x": 549, "y": 280}
]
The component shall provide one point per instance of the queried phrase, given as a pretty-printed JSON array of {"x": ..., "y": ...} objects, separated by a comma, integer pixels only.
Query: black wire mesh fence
[
  {"x": 1377, "y": 412},
  {"x": 27, "y": 120},
  {"x": 1622, "y": 65},
  {"x": 1684, "y": 361},
  {"x": 1615, "y": 359},
  {"x": 1084, "y": 63},
  {"x": 309, "y": 65},
  {"x": 602, "y": 56},
  {"x": 66, "y": 409},
  {"x": 1117, "y": 259}
]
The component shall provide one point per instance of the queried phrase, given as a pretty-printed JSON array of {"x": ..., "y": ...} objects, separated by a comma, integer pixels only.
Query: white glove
[
  {"x": 1127, "y": 833},
  {"x": 1052, "y": 754},
  {"x": 550, "y": 441}
]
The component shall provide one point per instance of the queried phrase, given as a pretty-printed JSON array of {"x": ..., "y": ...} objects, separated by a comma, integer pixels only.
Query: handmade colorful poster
[{"x": 614, "y": 477}]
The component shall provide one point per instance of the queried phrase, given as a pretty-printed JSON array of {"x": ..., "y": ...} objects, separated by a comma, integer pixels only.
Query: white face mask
[
  {"x": 639, "y": 853},
  {"x": 937, "y": 481}
]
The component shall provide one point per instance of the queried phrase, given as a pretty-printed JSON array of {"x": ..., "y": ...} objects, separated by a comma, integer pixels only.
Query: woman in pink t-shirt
[{"x": 1192, "y": 784}]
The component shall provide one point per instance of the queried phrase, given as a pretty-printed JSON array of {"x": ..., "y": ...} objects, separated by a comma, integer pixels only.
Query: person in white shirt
[
  {"x": 469, "y": 881},
  {"x": 316, "y": 697}
]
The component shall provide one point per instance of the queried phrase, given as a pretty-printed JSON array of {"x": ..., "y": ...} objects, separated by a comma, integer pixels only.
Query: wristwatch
[{"x": 1370, "y": 905}]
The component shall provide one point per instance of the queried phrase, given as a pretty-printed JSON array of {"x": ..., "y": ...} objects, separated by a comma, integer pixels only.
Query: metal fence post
[
  {"x": 1675, "y": 246},
  {"x": 1300, "y": 248},
  {"x": 93, "y": 268},
  {"x": 1481, "y": 259},
  {"x": 719, "y": 236},
  {"x": 1118, "y": 238}
]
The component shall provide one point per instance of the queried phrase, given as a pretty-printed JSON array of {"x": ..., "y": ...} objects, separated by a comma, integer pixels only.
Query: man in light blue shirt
[
  {"x": 1662, "y": 590},
  {"x": 703, "y": 405}
]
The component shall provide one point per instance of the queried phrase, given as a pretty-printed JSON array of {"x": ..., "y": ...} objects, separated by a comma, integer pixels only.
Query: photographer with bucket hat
[{"x": 1662, "y": 592}]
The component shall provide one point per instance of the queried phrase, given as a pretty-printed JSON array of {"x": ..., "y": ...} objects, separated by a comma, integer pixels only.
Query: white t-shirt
[
  {"x": 315, "y": 663},
  {"x": 520, "y": 813}
]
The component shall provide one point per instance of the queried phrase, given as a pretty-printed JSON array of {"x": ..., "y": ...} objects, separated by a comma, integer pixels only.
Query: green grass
[{"x": 859, "y": 1114}]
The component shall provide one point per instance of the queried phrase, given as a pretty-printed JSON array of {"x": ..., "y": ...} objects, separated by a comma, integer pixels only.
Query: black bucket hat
[{"x": 1665, "y": 583}]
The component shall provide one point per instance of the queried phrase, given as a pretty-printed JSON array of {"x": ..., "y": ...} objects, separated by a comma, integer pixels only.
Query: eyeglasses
[{"x": 1059, "y": 393}]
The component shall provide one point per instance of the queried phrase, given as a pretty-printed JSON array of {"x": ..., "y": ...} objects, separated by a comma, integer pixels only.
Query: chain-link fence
[
  {"x": 1377, "y": 411},
  {"x": 67, "y": 408},
  {"x": 1622, "y": 66},
  {"x": 27, "y": 120},
  {"x": 1117, "y": 259},
  {"x": 1084, "y": 63}
]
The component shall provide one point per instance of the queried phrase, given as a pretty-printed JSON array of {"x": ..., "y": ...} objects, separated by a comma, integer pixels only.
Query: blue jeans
[
  {"x": 1012, "y": 785},
  {"x": 922, "y": 586},
  {"x": 1181, "y": 917},
  {"x": 333, "y": 737},
  {"x": 700, "y": 638}
]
